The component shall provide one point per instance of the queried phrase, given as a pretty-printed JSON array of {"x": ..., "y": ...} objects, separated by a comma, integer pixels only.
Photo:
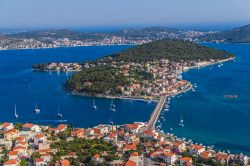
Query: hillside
[
  {"x": 173, "y": 50},
  {"x": 236, "y": 35},
  {"x": 114, "y": 74}
]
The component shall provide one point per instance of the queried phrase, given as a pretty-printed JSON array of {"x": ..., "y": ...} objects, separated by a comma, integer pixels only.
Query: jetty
[{"x": 156, "y": 113}]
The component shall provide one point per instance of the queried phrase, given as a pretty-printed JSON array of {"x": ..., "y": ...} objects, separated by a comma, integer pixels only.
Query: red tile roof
[
  {"x": 186, "y": 159},
  {"x": 10, "y": 162},
  {"x": 39, "y": 136},
  {"x": 38, "y": 160},
  {"x": 28, "y": 125},
  {"x": 130, "y": 147},
  {"x": 131, "y": 126},
  {"x": 11, "y": 153},
  {"x": 130, "y": 163}
]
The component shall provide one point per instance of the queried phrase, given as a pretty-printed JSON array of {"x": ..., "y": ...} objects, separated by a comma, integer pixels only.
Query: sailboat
[
  {"x": 181, "y": 121},
  {"x": 37, "y": 110},
  {"x": 58, "y": 113},
  {"x": 16, "y": 115},
  {"x": 112, "y": 106},
  {"x": 110, "y": 121},
  {"x": 94, "y": 105}
]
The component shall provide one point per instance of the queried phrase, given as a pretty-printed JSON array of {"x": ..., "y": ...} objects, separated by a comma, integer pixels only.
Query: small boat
[
  {"x": 58, "y": 112},
  {"x": 181, "y": 121},
  {"x": 37, "y": 110},
  {"x": 110, "y": 121},
  {"x": 94, "y": 105},
  {"x": 16, "y": 115},
  {"x": 112, "y": 106}
]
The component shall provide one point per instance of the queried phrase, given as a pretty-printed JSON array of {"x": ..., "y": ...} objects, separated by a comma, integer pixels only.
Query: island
[{"x": 145, "y": 71}]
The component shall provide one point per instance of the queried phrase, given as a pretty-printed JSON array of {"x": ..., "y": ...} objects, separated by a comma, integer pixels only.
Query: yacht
[
  {"x": 94, "y": 105},
  {"x": 181, "y": 121},
  {"x": 58, "y": 112},
  {"x": 37, "y": 110},
  {"x": 16, "y": 115},
  {"x": 112, "y": 106}
]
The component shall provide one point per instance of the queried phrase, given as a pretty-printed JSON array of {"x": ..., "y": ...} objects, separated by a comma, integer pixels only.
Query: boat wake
[{"x": 48, "y": 121}]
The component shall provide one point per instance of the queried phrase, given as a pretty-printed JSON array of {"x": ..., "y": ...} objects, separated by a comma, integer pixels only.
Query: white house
[
  {"x": 31, "y": 127},
  {"x": 169, "y": 157},
  {"x": 40, "y": 138}
]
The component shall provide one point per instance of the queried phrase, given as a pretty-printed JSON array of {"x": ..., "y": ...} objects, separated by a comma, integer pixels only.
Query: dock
[{"x": 156, "y": 113}]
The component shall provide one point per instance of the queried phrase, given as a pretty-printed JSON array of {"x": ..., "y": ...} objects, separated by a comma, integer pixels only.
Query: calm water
[
  {"x": 21, "y": 86},
  {"x": 209, "y": 117}
]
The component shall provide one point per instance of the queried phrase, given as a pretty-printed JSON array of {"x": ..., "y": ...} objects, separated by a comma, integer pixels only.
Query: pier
[{"x": 156, "y": 113}]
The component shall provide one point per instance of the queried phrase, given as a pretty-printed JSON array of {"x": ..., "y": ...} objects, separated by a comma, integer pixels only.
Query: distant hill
[
  {"x": 174, "y": 50},
  {"x": 236, "y": 35}
]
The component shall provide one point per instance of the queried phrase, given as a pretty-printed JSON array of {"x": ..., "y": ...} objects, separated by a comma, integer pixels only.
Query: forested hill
[
  {"x": 236, "y": 35},
  {"x": 174, "y": 50}
]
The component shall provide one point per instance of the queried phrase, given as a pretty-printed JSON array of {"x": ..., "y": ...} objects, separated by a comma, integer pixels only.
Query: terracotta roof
[
  {"x": 169, "y": 154},
  {"x": 177, "y": 143},
  {"x": 134, "y": 154},
  {"x": 96, "y": 156},
  {"x": 205, "y": 154},
  {"x": 131, "y": 126},
  {"x": 197, "y": 147},
  {"x": 38, "y": 160},
  {"x": 20, "y": 138},
  {"x": 77, "y": 132},
  {"x": 22, "y": 142},
  {"x": 19, "y": 148},
  {"x": 65, "y": 162},
  {"x": 186, "y": 159},
  {"x": 130, "y": 147},
  {"x": 130, "y": 163},
  {"x": 28, "y": 125},
  {"x": 6, "y": 124},
  {"x": 12, "y": 153},
  {"x": 61, "y": 127},
  {"x": 222, "y": 156},
  {"x": 39, "y": 136},
  {"x": 12, "y": 131},
  {"x": 10, "y": 162},
  {"x": 97, "y": 131}
]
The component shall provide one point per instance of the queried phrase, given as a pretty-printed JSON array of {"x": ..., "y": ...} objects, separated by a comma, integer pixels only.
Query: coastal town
[
  {"x": 65, "y": 38},
  {"x": 58, "y": 67},
  {"x": 128, "y": 145},
  {"x": 163, "y": 77}
]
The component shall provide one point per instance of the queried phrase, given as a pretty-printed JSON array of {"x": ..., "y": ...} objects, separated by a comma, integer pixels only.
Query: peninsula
[{"x": 145, "y": 71}]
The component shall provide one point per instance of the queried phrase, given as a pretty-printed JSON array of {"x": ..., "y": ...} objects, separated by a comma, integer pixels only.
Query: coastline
[
  {"x": 40, "y": 48},
  {"x": 190, "y": 86}
]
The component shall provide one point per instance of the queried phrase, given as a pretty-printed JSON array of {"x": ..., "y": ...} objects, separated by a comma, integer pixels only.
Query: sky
[{"x": 123, "y": 13}]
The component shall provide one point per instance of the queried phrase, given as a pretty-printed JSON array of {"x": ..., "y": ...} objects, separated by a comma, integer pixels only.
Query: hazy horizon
[{"x": 113, "y": 14}]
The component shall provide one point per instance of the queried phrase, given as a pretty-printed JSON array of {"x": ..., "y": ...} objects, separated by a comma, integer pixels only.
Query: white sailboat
[
  {"x": 58, "y": 112},
  {"x": 16, "y": 115},
  {"x": 181, "y": 121},
  {"x": 94, "y": 105},
  {"x": 112, "y": 106},
  {"x": 37, "y": 110}
]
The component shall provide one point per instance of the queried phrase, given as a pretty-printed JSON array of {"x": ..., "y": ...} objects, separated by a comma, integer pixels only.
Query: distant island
[
  {"x": 68, "y": 38},
  {"x": 146, "y": 71},
  {"x": 236, "y": 35}
]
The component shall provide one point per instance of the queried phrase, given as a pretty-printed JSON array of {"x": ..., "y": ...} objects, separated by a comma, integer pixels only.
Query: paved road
[{"x": 156, "y": 113}]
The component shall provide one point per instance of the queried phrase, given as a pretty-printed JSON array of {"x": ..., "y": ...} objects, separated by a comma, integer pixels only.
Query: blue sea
[{"x": 209, "y": 117}]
